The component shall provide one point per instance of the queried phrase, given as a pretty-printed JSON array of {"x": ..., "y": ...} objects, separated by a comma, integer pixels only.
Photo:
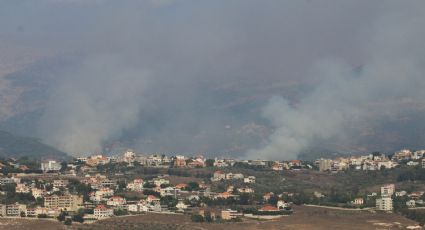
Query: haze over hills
[
  {"x": 16, "y": 147},
  {"x": 246, "y": 78}
]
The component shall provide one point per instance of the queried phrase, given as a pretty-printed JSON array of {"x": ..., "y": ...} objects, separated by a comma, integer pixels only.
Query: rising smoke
[
  {"x": 387, "y": 86},
  {"x": 189, "y": 76}
]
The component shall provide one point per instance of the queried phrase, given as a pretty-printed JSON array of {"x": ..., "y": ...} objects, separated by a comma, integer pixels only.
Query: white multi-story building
[
  {"x": 116, "y": 201},
  {"x": 325, "y": 165},
  {"x": 384, "y": 204},
  {"x": 22, "y": 188},
  {"x": 60, "y": 183},
  {"x": 102, "y": 212},
  {"x": 136, "y": 185},
  {"x": 218, "y": 175},
  {"x": 50, "y": 166},
  {"x": 388, "y": 190},
  {"x": 129, "y": 156}
]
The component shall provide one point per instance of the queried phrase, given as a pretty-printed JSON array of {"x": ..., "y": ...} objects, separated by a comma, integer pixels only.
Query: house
[
  {"x": 133, "y": 208},
  {"x": 249, "y": 180},
  {"x": 36, "y": 192},
  {"x": 24, "y": 167},
  {"x": 279, "y": 166},
  {"x": 234, "y": 176},
  {"x": 223, "y": 195},
  {"x": 213, "y": 213},
  {"x": 412, "y": 163},
  {"x": 230, "y": 188},
  {"x": 181, "y": 206},
  {"x": 230, "y": 214},
  {"x": 218, "y": 175},
  {"x": 116, "y": 201},
  {"x": 60, "y": 183},
  {"x": 104, "y": 192},
  {"x": 22, "y": 188},
  {"x": 160, "y": 181},
  {"x": 268, "y": 208},
  {"x": 152, "y": 198},
  {"x": 168, "y": 191},
  {"x": 267, "y": 196},
  {"x": 101, "y": 212},
  {"x": 404, "y": 154},
  {"x": 358, "y": 201},
  {"x": 180, "y": 161},
  {"x": 220, "y": 163},
  {"x": 6, "y": 180},
  {"x": 198, "y": 162},
  {"x": 136, "y": 185},
  {"x": 245, "y": 190},
  {"x": 410, "y": 203},
  {"x": 282, "y": 205},
  {"x": 181, "y": 186},
  {"x": 401, "y": 193},
  {"x": 295, "y": 163}
]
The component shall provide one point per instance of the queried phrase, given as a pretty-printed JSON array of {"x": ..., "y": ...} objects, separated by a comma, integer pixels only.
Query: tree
[
  {"x": 61, "y": 216},
  {"x": 197, "y": 218},
  {"x": 192, "y": 186},
  {"x": 210, "y": 162},
  {"x": 68, "y": 222},
  {"x": 78, "y": 217},
  {"x": 208, "y": 217},
  {"x": 170, "y": 201}
]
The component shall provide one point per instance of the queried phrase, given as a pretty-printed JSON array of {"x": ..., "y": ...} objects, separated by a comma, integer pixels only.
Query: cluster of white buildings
[{"x": 374, "y": 161}]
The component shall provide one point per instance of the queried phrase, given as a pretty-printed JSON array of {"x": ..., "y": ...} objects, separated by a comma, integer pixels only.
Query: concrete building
[
  {"x": 229, "y": 214},
  {"x": 384, "y": 204},
  {"x": 325, "y": 165},
  {"x": 15, "y": 209},
  {"x": 387, "y": 190},
  {"x": 102, "y": 212},
  {"x": 249, "y": 179},
  {"x": 60, "y": 183},
  {"x": 67, "y": 202},
  {"x": 50, "y": 166}
]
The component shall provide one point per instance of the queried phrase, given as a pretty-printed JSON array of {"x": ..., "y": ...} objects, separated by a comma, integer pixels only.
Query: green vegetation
[{"x": 120, "y": 212}]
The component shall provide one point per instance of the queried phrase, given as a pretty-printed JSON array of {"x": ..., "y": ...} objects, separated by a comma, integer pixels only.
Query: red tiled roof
[
  {"x": 268, "y": 208},
  {"x": 181, "y": 185},
  {"x": 101, "y": 206}
]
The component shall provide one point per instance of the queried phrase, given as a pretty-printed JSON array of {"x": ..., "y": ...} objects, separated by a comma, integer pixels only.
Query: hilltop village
[{"x": 88, "y": 189}]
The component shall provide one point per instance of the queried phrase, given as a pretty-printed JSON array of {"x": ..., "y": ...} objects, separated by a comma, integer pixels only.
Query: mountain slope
[{"x": 15, "y": 146}]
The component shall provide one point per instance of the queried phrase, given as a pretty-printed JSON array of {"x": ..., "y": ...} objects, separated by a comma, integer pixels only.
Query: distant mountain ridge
[{"x": 16, "y": 146}]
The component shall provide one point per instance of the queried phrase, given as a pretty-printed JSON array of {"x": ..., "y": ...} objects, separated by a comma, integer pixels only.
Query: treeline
[{"x": 412, "y": 174}]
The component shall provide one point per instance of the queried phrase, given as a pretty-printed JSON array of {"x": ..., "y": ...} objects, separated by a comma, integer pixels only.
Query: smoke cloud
[
  {"x": 262, "y": 79},
  {"x": 348, "y": 101}
]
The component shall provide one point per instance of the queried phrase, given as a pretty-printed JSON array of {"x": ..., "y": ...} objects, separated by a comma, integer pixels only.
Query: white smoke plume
[
  {"x": 94, "y": 105},
  {"x": 389, "y": 84}
]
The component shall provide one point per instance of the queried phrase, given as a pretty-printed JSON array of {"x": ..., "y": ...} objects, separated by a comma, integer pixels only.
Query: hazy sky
[{"x": 249, "y": 78}]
